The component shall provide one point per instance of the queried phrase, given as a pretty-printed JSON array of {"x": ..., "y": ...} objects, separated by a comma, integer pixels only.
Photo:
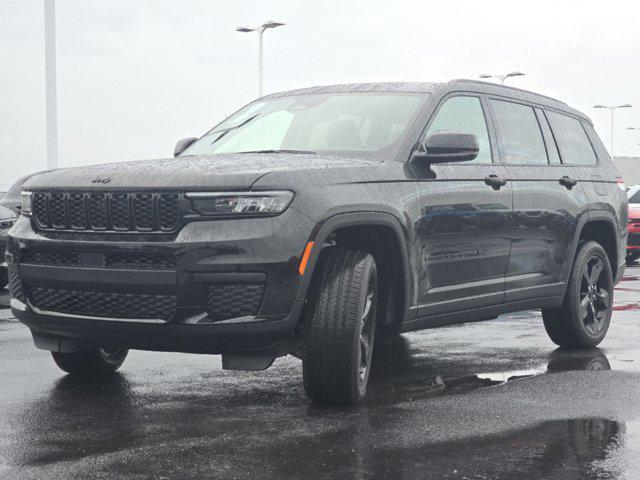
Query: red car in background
[{"x": 633, "y": 243}]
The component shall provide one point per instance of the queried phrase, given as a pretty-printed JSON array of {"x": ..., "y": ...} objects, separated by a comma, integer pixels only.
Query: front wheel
[
  {"x": 340, "y": 328},
  {"x": 101, "y": 361},
  {"x": 584, "y": 316}
]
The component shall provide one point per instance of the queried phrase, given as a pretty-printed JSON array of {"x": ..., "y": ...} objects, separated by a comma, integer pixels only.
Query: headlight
[
  {"x": 240, "y": 203},
  {"x": 26, "y": 203}
]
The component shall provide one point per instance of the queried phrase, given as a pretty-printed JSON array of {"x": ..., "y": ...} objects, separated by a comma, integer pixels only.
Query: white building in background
[{"x": 629, "y": 169}]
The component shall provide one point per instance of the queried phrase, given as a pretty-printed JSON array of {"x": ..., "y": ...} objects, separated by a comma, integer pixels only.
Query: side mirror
[
  {"x": 444, "y": 147},
  {"x": 182, "y": 145}
]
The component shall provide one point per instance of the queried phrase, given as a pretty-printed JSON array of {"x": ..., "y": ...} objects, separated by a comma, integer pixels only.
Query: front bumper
[{"x": 189, "y": 293}]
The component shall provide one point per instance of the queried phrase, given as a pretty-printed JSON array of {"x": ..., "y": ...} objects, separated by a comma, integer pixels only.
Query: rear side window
[
  {"x": 464, "y": 115},
  {"x": 573, "y": 143},
  {"x": 519, "y": 136}
]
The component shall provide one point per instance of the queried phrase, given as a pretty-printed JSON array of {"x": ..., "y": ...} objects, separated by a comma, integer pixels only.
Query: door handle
[
  {"x": 568, "y": 182},
  {"x": 495, "y": 182}
]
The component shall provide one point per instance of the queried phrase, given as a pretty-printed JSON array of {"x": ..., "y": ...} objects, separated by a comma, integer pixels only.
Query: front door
[{"x": 465, "y": 224}]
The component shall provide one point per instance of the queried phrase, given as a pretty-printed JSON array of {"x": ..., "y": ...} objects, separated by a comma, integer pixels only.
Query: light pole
[
  {"x": 260, "y": 30},
  {"x": 51, "y": 91},
  {"x": 502, "y": 78},
  {"x": 612, "y": 109}
]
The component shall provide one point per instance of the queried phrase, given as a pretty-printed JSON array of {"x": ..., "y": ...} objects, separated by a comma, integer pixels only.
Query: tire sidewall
[
  {"x": 371, "y": 271},
  {"x": 587, "y": 251}
]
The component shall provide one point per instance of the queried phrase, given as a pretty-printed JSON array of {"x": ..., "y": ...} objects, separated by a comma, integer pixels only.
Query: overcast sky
[{"x": 136, "y": 75}]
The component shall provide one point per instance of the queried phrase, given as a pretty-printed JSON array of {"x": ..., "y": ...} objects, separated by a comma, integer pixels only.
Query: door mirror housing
[
  {"x": 182, "y": 145},
  {"x": 445, "y": 147}
]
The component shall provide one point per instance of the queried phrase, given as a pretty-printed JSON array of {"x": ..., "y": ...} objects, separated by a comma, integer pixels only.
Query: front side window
[
  {"x": 464, "y": 115},
  {"x": 371, "y": 124},
  {"x": 573, "y": 143},
  {"x": 519, "y": 136}
]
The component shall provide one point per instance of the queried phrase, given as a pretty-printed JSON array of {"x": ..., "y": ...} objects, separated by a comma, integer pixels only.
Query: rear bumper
[{"x": 189, "y": 294}]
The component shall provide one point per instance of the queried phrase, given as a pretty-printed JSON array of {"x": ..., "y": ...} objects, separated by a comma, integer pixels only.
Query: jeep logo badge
[{"x": 102, "y": 180}]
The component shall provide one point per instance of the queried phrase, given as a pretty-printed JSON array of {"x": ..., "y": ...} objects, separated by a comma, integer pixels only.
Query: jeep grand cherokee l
[{"x": 313, "y": 220}]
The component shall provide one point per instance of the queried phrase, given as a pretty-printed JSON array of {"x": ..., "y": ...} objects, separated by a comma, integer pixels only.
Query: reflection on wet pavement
[{"x": 490, "y": 400}]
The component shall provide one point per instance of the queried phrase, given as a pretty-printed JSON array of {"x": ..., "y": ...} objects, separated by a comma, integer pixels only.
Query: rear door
[
  {"x": 464, "y": 227},
  {"x": 548, "y": 201}
]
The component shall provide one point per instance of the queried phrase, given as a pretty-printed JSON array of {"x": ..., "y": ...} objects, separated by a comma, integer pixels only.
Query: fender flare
[
  {"x": 325, "y": 228},
  {"x": 592, "y": 216}
]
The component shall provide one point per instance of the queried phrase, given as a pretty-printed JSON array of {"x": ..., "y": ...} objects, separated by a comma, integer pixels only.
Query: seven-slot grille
[{"x": 106, "y": 211}]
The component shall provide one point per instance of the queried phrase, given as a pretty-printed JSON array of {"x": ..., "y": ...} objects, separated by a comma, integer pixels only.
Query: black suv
[{"x": 311, "y": 221}]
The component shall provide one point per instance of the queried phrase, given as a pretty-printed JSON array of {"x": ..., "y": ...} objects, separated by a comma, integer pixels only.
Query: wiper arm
[
  {"x": 307, "y": 152},
  {"x": 227, "y": 130}
]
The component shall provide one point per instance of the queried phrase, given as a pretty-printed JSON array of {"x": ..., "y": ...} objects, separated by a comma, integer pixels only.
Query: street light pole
[
  {"x": 51, "y": 90},
  {"x": 260, "y": 31},
  {"x": 503, "y": 77},
  {"x": 612, "y": 109}
]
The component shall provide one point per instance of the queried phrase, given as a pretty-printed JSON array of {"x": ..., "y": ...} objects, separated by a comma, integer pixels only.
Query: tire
[
  {"x": 584, "y": 316},
  {"x": 91, "y": 362},
  {"x": 340, "y": 328}
]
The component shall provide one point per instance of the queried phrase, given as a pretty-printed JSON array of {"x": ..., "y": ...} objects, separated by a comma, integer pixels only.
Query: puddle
[{"x": 399, "y": 375}]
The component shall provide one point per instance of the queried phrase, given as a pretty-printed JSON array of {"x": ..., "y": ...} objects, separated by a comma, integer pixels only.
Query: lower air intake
[
  {"x": 232, "y": 300},
  {"x": 103, "y": 304}
]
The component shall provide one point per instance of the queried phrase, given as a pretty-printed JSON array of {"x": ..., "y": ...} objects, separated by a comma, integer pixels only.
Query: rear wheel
[
  {"x": 340, "y": 328},
  {"x": 585, "y": 314},
  {"x": 101, "y": 361}
]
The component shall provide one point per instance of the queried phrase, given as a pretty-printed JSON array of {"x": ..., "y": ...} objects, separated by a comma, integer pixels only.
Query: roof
[
  {"x": 429, "y": 87},
  {"x": 401, "y": 87}
]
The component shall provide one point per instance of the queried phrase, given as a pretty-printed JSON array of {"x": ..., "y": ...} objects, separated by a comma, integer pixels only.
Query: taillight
[{"x": 621, "y": 185}]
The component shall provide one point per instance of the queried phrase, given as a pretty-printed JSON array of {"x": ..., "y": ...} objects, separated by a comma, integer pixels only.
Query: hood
[{"x": 222, "y": 171}]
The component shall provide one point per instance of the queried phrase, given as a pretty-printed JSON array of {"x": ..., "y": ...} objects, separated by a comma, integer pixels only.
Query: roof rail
[{"x": 480, "y": 82}]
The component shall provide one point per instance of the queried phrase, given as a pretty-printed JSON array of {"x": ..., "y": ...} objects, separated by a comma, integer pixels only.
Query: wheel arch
[
  {"x": 599, "y": 227},
  {"x": 368, "y": 231}
]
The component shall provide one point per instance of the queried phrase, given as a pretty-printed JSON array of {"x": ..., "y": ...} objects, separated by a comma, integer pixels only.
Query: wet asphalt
[{"x": 489, "y": 400}]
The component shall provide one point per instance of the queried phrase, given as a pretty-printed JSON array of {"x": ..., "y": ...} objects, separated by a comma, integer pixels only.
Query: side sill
[{"x": 479, "y": 314}]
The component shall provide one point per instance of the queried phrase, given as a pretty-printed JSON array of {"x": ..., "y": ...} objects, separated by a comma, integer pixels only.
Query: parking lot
[{"x": 476, "y": 401}]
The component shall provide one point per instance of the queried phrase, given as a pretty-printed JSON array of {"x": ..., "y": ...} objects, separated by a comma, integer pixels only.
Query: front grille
[
  {"x": 231, "y": 300},
  {"x": 106, "y": 211},
  {"x": 634, "y": 239},
  {"x": 103, "y": 304},
  {"x": 15, "y": 285}
]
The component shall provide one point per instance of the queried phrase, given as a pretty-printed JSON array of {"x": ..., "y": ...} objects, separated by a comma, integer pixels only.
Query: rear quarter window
[{"x": 573, "y": 142}]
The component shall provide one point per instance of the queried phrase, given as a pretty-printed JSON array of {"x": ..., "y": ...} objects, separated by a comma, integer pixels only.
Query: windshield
[
  {"x": 360, "y": 123},
  {"x": 634, "y": 197}
]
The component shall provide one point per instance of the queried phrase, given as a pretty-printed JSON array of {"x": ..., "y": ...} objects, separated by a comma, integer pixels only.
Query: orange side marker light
[{"x": 305, "y": 258}]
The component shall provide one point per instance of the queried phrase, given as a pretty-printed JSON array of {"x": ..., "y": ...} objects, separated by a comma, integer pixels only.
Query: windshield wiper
[
  {"x": 307, "y": 152},
  {"x": 235, "y": 127}
]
